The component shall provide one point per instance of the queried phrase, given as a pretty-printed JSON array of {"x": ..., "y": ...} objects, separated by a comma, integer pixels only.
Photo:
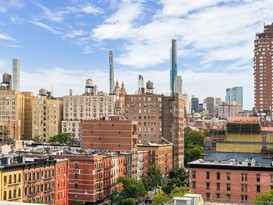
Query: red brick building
[
  {"x": 61, "y": 182},
  {"x": 112, "y": 134},
  {"x": 232, "y": 181}
]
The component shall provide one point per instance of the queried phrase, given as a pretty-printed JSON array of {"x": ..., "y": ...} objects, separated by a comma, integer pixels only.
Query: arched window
[
  {"x": 5, "y": 195},
  {"x": 76, "y": 185},
  {"x": 9, "y": 194},
  {"x": 19, "y": 192}
]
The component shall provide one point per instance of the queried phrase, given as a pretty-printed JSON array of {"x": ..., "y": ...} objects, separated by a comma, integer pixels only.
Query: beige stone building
[
  {"x": 11, "y": 114},
  {"x": 29, "y": 98},
  {"x": 232, "y": 109},
  {"x": 85, "y": 107},
  {"x": 47, "y": 116}
]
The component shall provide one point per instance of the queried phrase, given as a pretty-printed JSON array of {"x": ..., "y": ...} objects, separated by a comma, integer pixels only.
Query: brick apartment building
[
  {"x": 112, "y": 134},
  {"x": 230, "y": 181}
]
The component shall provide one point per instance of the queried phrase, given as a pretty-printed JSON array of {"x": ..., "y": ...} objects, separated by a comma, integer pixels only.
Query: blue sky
[{"x": 62, "y": 43}]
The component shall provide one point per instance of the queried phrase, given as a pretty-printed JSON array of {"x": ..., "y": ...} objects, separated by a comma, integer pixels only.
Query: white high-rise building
[{"x": 16, "y": 74}]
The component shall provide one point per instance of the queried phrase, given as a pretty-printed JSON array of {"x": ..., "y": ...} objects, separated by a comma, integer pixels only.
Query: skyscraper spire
[{"x": 111, "y": 72}]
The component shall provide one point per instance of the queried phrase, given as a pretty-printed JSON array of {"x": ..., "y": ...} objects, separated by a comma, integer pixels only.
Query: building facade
[
  {"x": 85, "y": 107},
  {"x": 16, "y": 74},
  {"x": 160, "y": 156},
  {"x": 47, "y": 114},
  {"x": 234, "y": 94},
  {"x": 146, "y": 109},
  {"x": 231, "y": 181},
  {"x": 263, "y": 47},
  {"x": 12, "y": 115}
]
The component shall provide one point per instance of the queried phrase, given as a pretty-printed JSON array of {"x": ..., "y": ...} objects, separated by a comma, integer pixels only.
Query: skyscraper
[
  {"x": 263, "y": 63},
  {"x": 16, "y": 74},
  {"x": 140, "y": 84},
  {"x": 178, "y": 84},
  {"x": 111, "y": 72},
  {"x": 234, "y": 94},
  {"x": 173, "y": 70},
  {"x": 194, "y": 105}
]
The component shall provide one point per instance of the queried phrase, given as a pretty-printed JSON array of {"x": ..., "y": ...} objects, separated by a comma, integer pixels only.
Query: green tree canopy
[
  {"x": 153, "y": 179},
  {"x": 62, "y": 138},
  {"x": 133, "y": 188},
  {"x": 176, "y": 178},
  {"x": 128, "y": 201},
  {"x": 160, "y": 198},
  {"x": 264, "y": 197},
  {"x": 115, "y": 197},
  {"x": 194, "y": 145}
]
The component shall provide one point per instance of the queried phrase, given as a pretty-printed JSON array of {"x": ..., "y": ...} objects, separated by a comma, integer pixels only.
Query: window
[
  {"x": 208, "y": 196},
  {"x": 9, "y": 194},
  {"x": 14, "y": 193},
  {"x": 218, "y": 185},
  {"x": 19, "y": 177},
  {"x": 244, "y": 187},
  {"x": 5, "y": 179},
  {"x": 228, "y": 197},
  {"x": 218, "y": 197},
  {"x": 228, "y": 187},
  {"x": 193, "y": 174},
  {"x": 243, "y": 198},
  {"x": 207, "y": 175},
  {"x": 207, "y": 185},
  {"x": 243, "y": 177},
  {"x": 228, "y": 176},
  {"x": 76, "y": 175},
  {"x": 258, "y": 188},
  {"x": 194, "y": 185},
  {"x": 258, "y": 177},
  {"x": 19, "y": 192},
  {"x": 218, "y": 175},
  {"x": 76, "y": 185},
  {"x": 5, "y": 195},
  {"x": 76, "y": 165}
]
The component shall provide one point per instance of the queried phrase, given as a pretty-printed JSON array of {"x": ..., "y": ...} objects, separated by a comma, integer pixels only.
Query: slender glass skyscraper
[
  {"x": 173, "y": 70},
  {"x": 16, "y": 74},
  {"x": 235, "y": 94}
]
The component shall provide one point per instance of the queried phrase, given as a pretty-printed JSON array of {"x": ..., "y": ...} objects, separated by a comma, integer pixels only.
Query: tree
[
  {"x": 76, "y": 203},
  {"x": 264, "y": 197},
  {"x": 193, "y": 152},
  {"x": 62, "y": 138},
  {"x": 176, "y": 178},
  {"x": 161, "y": 198},
  {"x": 194, "y": 145},
  {"x": 115, "y": 197},
  {"x": 179, "y": 191},
  {"x": 128, "y": 201},
  {"x": 153, "y": 179},
  {"x": 37, "y": 139},
  {"x": 133, "y": 188}
]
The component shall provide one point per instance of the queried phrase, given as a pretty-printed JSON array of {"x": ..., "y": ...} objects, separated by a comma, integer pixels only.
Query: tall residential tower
[
  {"x": 111, "y": 73},
  {"x": 16, "y": 74},
  {"x": 263, "y": 63},
  {"x": 173, "y": 70}
]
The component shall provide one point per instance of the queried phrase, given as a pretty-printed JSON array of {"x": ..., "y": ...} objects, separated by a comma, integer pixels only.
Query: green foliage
[
  {"x": 133, "y": 188},
  {"x": 177, "y": 178},
  {"x": 206, "y": 132},
  {"x": 153, "y": 179},
  {"x": 115, "y": 197},
  {"x": 62, "y": 138},
  {"x": 194, "y": 145},
  {"x": 76, "y": 203},
  {"x": 179, "y": 191},
  {"x": 37, "y": 139},
  {"x": 264, "y": 197},
  {"x": 128, "y": 201},
  {"x": 161, "y": 198}
]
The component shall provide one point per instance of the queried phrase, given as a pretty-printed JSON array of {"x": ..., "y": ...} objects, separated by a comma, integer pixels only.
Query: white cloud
[
  {"x": 74, "y": 33},
  {"x": 18, "y": 4},
  {"x": 54, "y": 16},
  {"x": 214, "y": 32},
  {"x": 121, "y": 23},
  {"x": 89, "y": 9},
  {"x": 17, "y": 20},
  {"x": 6, "y": 37},
  {"x": 87, "y": 50},
  {"x": 47, "y": 27}
]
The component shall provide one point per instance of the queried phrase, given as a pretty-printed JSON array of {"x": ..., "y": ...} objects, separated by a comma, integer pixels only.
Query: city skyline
[{"x": 61, "y": 44}]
